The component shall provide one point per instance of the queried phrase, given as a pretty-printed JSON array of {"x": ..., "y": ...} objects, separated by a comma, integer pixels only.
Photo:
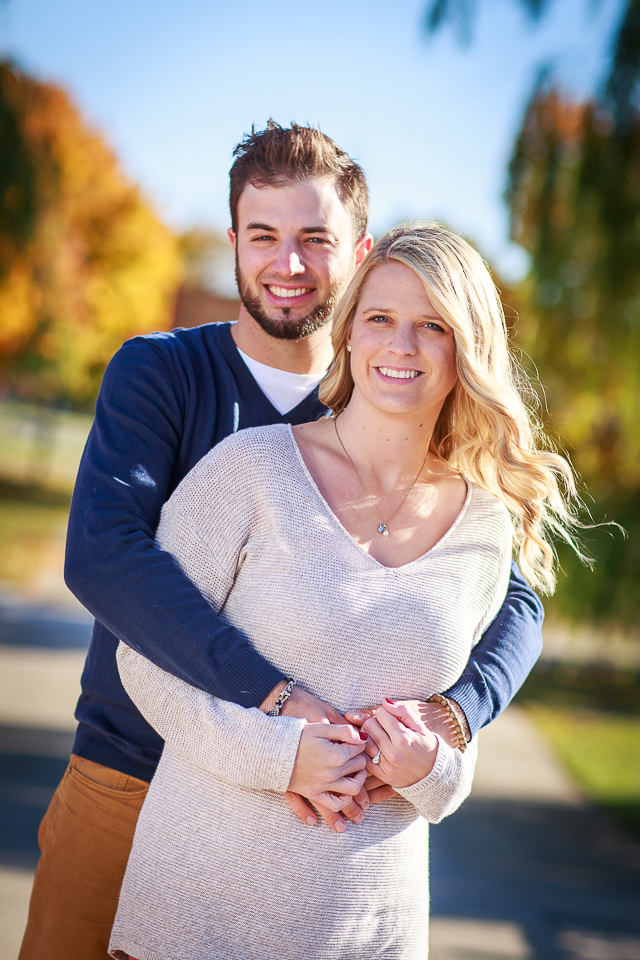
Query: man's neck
[{"x": 312, "y": 354}]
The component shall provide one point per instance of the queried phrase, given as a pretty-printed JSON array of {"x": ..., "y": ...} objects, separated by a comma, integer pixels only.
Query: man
[{"x": 299, "y": 214}]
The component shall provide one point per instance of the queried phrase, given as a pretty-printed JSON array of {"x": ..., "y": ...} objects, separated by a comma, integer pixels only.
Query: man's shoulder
[{"x": 212, "y": 337}]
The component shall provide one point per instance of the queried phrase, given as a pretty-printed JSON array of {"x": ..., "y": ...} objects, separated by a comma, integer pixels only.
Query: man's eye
[
  {"x": 318, "y": 240},
  {"x": 265, "y": 237}
]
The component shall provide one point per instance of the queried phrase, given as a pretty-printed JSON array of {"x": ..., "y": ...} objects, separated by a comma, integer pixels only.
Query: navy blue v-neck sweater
[{"x": 165, "y": 400}]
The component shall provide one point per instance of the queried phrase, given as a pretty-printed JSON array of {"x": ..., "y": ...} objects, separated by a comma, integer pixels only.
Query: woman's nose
[{"x": 403, "y": 340}]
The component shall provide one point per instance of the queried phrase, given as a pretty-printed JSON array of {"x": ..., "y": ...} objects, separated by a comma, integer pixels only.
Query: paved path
[{"x": 526, "y": 870}]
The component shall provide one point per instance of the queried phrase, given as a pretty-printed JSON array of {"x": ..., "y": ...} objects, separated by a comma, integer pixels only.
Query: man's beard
[{"x": 282, "y": 327}]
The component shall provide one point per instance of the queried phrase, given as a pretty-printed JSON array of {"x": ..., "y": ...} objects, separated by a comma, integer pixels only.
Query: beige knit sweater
[{"x": 220, "y": 867}]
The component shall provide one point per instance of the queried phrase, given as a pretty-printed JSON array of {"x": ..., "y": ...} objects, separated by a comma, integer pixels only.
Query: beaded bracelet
[
  {"x": 453, "y": 717},
  {"x": 282, "y": 699}
]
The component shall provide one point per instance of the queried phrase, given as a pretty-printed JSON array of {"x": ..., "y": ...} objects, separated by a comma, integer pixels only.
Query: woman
[{"x": 379, "y": 545}]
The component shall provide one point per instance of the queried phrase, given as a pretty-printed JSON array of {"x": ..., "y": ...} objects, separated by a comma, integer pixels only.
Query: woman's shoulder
[
  {"x": 254, "y": 447},
  {"x": 487, "y": 508},
  {"x": 244, "y": 468}
]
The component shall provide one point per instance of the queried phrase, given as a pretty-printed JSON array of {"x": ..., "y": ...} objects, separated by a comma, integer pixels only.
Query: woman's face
[{"x": 403, "y": 354}]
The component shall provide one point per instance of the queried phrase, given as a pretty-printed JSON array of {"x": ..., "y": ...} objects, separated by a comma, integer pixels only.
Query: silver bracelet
[{"x": 282, "y": 699}]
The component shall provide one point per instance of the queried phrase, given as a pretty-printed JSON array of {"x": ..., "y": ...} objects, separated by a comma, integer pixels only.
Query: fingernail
[
  {"x": 389, "y": 700},
  {"x": 363, "y": 736},
  {"x": 359, "y": 818},
  {"x": 311, "y": 821},
  {"x": 340, "y": 826},
  {"x": 365, "y": 804},
  {"x": 356, "y": 713}
]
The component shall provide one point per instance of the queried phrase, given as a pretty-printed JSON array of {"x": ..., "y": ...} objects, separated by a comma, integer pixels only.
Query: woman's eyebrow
[{"x": 424, "y": 316}]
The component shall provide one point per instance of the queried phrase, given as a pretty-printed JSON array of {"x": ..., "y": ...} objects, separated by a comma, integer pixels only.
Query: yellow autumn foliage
[{"x": 98, "y": 265}]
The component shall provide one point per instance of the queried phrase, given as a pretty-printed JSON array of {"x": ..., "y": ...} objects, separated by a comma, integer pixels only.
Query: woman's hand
[
  {"x": 330, "y": 767},
  {"x": 407, "y": 746},
  {"x": 431, "y": 715}
]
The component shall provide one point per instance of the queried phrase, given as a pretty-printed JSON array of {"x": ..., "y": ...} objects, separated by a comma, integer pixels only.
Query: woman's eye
[
  {"x": 379, "y": 319},
  {"x": 432, "y": 325}
]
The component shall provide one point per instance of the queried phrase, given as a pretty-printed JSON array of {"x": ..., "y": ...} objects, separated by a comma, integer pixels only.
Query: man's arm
[
  {"x": 128, "y": 470},
  {"x": 503, "y": 658}
]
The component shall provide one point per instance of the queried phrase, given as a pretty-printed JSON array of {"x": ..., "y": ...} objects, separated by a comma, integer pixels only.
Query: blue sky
[{"x": 173, "y": 86}]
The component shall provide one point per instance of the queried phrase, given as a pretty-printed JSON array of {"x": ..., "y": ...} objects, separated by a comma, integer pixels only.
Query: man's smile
[{"x": 284, "y": 292}]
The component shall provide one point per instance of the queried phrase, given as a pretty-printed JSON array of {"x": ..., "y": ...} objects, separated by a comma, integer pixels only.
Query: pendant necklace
[{"x": 382, "y": 527}]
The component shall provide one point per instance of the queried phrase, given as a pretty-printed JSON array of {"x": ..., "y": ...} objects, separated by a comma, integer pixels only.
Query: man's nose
[
  {"x": 295, "y": 264},
  {"x": 288, "y": 262}
]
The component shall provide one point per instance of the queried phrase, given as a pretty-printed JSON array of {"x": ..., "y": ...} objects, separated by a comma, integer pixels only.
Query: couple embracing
[{"x": 302, "y": 581}]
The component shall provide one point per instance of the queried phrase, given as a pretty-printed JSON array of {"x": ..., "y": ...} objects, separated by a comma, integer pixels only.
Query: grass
[
  {"x": 32, "y": 529},
  {"x": 591, "y": 717}
]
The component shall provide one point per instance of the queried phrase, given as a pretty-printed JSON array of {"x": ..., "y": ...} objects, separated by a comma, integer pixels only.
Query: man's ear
[
  {"x": 363, "y": 246},
  {"x": 232, "y": 237}
]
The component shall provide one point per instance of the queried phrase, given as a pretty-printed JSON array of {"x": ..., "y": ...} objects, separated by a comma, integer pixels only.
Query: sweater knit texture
[{"x": 220, "y": 868}]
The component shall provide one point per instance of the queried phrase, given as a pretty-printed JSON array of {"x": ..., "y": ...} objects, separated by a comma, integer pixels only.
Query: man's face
[{"x": 295, "y": 254}]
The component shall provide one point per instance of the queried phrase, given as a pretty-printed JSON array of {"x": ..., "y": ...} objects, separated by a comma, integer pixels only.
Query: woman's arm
[
  {"x": 245, "y": 746},
  {"x": 238, "y": 745}
]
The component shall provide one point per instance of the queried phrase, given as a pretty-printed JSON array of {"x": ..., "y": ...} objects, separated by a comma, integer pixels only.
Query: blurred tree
[
  {"x": 207, "y": 261},
  {"x": 84, "y": 260},
  {"x": 574, "y": 199}
]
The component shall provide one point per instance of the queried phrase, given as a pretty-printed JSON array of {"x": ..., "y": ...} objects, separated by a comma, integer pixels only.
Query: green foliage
[
  {"x": 574, "y": 196},
  {"x": 85, "y": 262}
]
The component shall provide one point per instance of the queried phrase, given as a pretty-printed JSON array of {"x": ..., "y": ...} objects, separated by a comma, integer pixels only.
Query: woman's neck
[{"x": 389, "y": 447}]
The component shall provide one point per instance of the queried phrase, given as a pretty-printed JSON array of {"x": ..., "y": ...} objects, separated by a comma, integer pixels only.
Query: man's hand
[
  {"x": 330, "y": 764},
  {"x": 303, "y": 705}
]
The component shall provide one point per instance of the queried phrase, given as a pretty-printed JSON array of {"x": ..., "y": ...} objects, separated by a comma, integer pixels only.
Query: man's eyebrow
[
  {"x": 321, "y": 229},
  {"x": 261, "y": 226}
]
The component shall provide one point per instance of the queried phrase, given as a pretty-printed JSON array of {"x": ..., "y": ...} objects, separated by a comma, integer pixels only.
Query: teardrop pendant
[{"x": 383, "y": 529}]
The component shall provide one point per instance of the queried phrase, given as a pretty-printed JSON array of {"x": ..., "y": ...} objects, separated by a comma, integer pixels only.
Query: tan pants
[{"x": 85, "y": 839}]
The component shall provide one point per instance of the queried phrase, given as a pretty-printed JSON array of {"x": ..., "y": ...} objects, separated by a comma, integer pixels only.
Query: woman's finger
[
  {"x": 392, "y": 726},
  {"x": 402, "y": 711},
  {"x": 377, "y": 735}
]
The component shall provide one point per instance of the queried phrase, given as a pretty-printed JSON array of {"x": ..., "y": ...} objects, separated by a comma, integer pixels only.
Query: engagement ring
[{"x": 376, "y": 759}]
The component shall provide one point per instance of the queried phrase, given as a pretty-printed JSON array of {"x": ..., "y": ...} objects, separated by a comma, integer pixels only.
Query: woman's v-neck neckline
[{"x": 338, "y": 523}]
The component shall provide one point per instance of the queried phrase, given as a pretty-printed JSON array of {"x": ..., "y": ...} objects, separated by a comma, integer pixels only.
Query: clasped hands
[{"x": 334, "y": 769}]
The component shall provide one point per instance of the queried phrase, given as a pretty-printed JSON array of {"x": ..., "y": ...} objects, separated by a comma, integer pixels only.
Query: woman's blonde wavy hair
[{"x": 487, "y": 429}]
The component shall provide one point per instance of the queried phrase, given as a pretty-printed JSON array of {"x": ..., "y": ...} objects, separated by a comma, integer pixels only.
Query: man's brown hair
[{"x": 279, "y": 155}]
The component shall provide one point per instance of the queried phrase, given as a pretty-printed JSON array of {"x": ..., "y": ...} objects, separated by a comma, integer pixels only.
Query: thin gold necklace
[{"x": 383, "y": 525}]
